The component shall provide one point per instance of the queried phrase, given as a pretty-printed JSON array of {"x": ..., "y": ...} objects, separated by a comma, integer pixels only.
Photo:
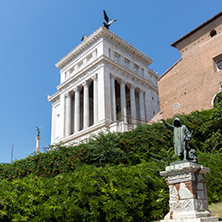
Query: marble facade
[{"x": 105, "y": 84}]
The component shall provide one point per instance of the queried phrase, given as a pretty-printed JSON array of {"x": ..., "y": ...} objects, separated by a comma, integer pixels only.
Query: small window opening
[
  {"x": 213, "y": 33},
  {"x": 219, "y": 64}
]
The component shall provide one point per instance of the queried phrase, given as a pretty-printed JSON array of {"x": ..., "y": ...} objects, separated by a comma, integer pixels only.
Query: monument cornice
[
  {"x": 54, "y": 97},
  {"x": 106, "y": 34},
  {"x": 126, "y": 73}
]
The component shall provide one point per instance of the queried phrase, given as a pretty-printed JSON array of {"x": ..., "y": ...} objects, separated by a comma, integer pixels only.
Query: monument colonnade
[{"x": 136, "y": 116}]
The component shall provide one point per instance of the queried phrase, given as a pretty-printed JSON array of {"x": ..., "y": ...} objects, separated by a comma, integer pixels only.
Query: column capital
[
  {"x": 141, "y": 91},
  {"x": 68, "y": 94},
  {"x": 122, "y": 81},
  {"x": 131, "y": 86},
  {"x": 94, "y": 76},
  {"x": 85, "y": 83},
  {"x": 77, "y": 88},
  {"x": 112, "y": 75}
]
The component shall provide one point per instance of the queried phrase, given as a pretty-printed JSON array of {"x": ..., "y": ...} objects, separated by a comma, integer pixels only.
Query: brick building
[{"x": 194, "y": 80}]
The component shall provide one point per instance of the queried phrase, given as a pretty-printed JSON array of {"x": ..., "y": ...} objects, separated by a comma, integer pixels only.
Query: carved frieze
[
  {"x": 179, "y": 177},
  {"x": 174, "y": 205}
]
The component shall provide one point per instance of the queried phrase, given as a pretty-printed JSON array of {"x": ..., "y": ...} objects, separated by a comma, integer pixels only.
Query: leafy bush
[
  {"x": 214, "y": 176},
  {"x": 111, "y": 193}
]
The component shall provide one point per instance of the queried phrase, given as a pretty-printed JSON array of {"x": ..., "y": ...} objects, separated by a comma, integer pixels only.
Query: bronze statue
[
  {"x": 107, "y": 23},
  {"x": 38, "y": 131},
  {"x": 181, "y": 138}
]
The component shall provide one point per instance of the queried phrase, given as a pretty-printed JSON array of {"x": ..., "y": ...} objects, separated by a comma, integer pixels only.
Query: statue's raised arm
[{"x": 168, "y": 126}]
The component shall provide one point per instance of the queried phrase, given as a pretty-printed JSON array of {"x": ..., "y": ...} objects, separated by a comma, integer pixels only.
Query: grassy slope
[{"x": 216, "y": 209}]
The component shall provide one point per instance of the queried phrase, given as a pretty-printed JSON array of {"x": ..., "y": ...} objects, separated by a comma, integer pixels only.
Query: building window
[
  {"x": 126, "y": 63},
  {"x": 219, "y": 64},
  {"x": 89, "y": 58},
  {"x": 218, "y": 94},
  {"x": 80, "y": 64},
  {"x": 117, "y": 57},
  {"x": 142, "y": 72},
  {"x": 213, "y": 33},
  {"x": 135, "y": 68}
]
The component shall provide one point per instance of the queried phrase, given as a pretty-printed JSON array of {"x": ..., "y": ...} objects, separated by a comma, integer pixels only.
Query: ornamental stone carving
[
  {"x": 173, "y": 193},
  {"x": 187, "y": 205}
]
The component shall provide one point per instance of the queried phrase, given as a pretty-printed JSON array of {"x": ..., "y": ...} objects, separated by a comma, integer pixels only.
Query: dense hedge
[
  {"x": 111, "y": 193},
  {"x": 113, "y": 177},
  {"x": 129, "y": 148}
]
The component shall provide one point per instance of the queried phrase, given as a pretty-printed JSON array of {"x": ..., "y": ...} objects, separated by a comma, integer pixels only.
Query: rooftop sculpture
[
  {"x": 38, "y": 131},
  {"x": 107, "y": 22}
]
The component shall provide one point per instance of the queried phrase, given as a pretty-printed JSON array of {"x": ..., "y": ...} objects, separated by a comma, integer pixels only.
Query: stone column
[
  {"x": 37, "y": 144},
  {"x": 123, "y": 101},
  {"x": 113, "y": 97},
  {"x": 133, "y": 104},
  {"x": 86, "y": 104},
  {"x": 142, "y": 108},
  {"x": 77, "y": 109},
  {"x": 68, "y": 114},
  {"x": 95, "y": 98}
]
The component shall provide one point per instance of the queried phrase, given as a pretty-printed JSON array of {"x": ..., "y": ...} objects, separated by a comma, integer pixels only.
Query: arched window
[
  {"x": 218, "y": 94},
  {"x": 213, "y": 33}
]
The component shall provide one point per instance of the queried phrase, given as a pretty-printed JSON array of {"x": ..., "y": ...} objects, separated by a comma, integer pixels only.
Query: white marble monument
[{"x": 105, "y": 84}]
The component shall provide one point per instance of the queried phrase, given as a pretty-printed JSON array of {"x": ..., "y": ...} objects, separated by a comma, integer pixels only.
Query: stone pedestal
[{"x": 188, "y": 193}]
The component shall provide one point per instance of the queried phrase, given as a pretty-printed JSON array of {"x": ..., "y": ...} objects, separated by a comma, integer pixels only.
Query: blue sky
[{"x": 37, "y": 34}]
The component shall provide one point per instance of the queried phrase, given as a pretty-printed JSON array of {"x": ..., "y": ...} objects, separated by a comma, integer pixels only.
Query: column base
[{"x": 119, "y": 127}]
